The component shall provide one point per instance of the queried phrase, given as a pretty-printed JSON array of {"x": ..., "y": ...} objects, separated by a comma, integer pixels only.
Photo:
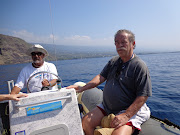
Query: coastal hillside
[{"x": 12, "y": 50}]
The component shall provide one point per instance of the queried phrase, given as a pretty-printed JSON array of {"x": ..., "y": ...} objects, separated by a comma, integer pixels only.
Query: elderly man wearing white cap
[{"x": 39, "y": 81}]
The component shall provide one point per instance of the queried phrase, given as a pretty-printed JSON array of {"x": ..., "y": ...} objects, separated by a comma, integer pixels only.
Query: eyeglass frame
[{"x": 36, "y": 53}]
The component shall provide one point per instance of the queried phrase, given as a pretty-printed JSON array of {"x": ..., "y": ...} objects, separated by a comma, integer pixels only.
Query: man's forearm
[
  {"x": 94, "y": 82},
  {"x": 3, "y": 97},
  {"x": 135, "y": 106},
  {"x": 53, "y": 82}
]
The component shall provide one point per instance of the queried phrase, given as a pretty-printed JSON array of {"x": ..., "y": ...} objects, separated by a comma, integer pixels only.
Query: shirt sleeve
[{"x": 143, "y": 82}]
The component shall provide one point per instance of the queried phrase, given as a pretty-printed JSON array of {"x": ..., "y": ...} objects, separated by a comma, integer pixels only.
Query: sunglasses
[{"x": 38, "y": 53}]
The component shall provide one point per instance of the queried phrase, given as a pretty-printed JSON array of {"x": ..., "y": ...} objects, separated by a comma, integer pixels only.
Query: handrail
[
  {"x": 9, "y": 85},
  {"x": 45, "y": 101}
]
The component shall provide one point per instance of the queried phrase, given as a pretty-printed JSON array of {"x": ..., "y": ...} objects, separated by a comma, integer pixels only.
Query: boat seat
[
  {"x": 154, "y": 126},
  {"x": 89, "y": 99}
]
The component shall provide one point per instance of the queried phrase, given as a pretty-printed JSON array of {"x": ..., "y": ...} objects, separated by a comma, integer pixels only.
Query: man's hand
[
  {"x": 119, "y": 120},
  {"x": 45, "y": 82},
  {"x": 16, "y": 96},
  {"x": 98, "y": 79},
  {"x": 77, "y": 88}
]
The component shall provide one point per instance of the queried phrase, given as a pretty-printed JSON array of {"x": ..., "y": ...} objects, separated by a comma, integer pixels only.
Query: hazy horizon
[{"x": 155, "y": 23}]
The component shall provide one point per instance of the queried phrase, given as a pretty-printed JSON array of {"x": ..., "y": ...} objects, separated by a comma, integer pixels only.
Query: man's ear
[{"x": 134, "y": 43}]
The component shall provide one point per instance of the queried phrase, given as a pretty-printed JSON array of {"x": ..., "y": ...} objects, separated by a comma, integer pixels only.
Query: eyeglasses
[{"x": 38, "y": 53}]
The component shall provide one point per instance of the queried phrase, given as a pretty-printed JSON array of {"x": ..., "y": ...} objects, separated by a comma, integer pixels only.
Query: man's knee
[
  {"x": 124, "y": 130},
  {"x": 92, "y": 119},
  {"x": 85, "y": 121},
  {"x": 87, "y": 125}
]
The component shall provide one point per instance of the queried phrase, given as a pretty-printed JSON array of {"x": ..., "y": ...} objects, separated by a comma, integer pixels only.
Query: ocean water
[{"x": 164, "y": 70}]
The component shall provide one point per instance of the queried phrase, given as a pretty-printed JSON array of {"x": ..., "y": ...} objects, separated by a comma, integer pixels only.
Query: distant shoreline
[
  {"x": 12, "y": 51},
  {"x": 103, "y": 56}
]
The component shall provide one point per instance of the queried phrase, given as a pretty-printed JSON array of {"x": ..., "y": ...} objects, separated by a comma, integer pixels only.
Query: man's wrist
[
  {"x": 127, "y": 115},
  {"x": 6, "y": 97}
]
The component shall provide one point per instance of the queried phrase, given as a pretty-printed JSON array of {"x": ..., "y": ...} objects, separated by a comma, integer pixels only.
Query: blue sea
[{"x": 164, "y": 69}]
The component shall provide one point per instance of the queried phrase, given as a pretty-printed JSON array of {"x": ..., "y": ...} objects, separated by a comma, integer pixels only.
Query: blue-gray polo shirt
[{"x": 124, "y": 82}]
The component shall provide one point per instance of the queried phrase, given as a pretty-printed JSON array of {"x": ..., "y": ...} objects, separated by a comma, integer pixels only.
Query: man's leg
[
  {"x": 124, "y": 130},
  {"x": 91, "y": 120}
]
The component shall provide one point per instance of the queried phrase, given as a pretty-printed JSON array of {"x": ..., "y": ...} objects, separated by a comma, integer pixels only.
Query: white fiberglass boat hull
[{"x": 35, "y": 115}]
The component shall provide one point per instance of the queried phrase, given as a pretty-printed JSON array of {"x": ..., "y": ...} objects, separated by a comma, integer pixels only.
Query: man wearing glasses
[{"x": 39, "y": 81}]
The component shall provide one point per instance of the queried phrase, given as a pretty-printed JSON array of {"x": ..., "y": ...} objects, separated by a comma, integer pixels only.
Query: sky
[{"x": 155, "y": 23}]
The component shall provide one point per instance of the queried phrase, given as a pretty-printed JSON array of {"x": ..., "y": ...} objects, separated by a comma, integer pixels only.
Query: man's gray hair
[{"x": 131, "y": 35}]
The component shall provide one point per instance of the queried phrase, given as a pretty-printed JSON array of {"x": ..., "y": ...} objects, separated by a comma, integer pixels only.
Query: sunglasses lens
[{"x": 38, "y": 53}]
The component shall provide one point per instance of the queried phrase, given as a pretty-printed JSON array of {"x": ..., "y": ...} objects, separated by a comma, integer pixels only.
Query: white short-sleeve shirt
[{"x": 35, "y": 84}]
